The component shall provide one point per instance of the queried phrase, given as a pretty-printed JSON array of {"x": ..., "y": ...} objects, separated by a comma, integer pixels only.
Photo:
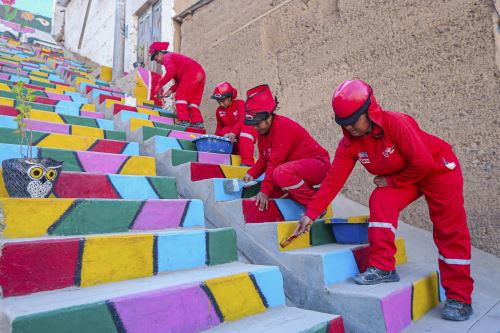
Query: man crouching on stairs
[
  {"x": 293, "y": 161},
  {"x": 408, "y": 163}
]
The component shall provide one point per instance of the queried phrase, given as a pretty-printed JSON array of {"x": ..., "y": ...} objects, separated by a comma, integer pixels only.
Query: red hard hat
[
  {"x": 224, "y": 90},
  {"x": 350, "y": 100},
  {"x": 158, "y": 46}
]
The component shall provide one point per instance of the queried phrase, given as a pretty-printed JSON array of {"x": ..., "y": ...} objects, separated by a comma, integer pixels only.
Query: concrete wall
[
  {"x": 97, "y": 43},
  {"x": 434, "y": 60},
  {"x": 98, "y": 40}
]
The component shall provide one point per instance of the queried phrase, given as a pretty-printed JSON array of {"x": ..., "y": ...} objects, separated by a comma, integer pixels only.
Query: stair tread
[
  {"x": 51, "y": 300},
  {"x": 486, "y": 318},
  {"x": 408, "y": 273},
  {"x": 276, "y": 320}
]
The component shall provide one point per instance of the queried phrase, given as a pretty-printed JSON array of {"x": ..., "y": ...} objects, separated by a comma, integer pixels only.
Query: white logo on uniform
[
  {"x": 363, "y": 157},
  {"x": 388, "y": 151}
]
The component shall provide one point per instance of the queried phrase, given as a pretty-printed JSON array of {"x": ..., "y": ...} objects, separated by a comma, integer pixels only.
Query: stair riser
[
  {"x": 87, "y": 261},
  {"x": 85, "y": 161},
  {"x": 70, "y": 142},
  {"x": 67, "y": 217}
]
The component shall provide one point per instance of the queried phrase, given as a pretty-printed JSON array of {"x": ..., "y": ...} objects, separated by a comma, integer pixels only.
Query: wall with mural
[{"x": 26, "y": 15}]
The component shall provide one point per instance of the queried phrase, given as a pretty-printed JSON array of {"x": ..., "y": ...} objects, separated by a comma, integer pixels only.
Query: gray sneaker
[
  {"x": 374, "y": 275},
  {"x": 183, "y": 123},
  {"x": 198, "y": 125},
  {"x": 456, "y": 310}
]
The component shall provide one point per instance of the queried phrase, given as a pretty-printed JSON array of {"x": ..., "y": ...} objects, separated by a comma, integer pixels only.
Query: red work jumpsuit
[
  {"x": 231, "y": 120},
  {"x": 292, "y": 160},
  {"x": 415, "y": 163},
  {"x": 189, "y": 79}
]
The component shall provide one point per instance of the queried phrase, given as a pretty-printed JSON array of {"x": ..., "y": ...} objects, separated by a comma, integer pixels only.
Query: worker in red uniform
[
  {"x": 408, "y": 163},
  {"x": 293, "y": 161},
  {"x": 230, "y": 122},
  {"x": 189, "y": 79}
]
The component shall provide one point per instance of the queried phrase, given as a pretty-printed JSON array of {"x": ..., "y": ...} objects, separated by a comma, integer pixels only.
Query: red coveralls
[
  {"x": 415, "y": 163},
  {"x": 231, "y": 120},
  {"x": 189, "y": 79},
  {"x": 292, "y": 160}
]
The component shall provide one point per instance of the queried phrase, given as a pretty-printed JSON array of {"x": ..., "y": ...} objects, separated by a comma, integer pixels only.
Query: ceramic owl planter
[{"x": 30, "y": 178}]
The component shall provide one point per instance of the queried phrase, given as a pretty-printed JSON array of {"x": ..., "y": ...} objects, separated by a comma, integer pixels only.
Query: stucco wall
[
  {"x": 434, "y": 60},
  {"x": 97, "y": 43}
]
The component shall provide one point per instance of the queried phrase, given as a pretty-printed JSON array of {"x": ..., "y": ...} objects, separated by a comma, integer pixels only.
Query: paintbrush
[{"x": 292, "y": 237}]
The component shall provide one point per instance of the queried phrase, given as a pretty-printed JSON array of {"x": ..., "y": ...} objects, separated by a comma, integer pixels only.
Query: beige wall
[{"x": 434, "y": 60}]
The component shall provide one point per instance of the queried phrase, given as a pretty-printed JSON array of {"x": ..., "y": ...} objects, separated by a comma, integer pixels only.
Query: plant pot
[{"x": 30, "y": 178}]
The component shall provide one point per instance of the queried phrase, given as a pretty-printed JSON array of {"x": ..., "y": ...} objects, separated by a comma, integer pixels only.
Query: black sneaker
[
  {"x": 456, "y": 310},
  {"x": 374, "y": 275},
  {"x": 198, "y": 125}
]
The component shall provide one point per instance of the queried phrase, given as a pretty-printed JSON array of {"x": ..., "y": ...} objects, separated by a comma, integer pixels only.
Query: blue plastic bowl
[
  {"x": 213, "y": 144},
  {"x": 350, "y": 233}
]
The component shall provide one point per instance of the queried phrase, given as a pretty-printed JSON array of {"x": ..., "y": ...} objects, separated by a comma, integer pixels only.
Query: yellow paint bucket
[{"x": 106, "y": 73}]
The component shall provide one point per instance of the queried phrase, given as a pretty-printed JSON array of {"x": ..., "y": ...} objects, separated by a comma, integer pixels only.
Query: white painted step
[{"x": 278, "y": 320}]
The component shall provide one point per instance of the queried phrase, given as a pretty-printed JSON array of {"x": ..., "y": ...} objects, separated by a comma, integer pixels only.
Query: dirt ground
[{"x": 434, "y": 60}]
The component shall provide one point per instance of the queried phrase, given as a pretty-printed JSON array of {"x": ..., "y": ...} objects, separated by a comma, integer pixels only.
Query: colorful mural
[{"x": 27, "y": 15}]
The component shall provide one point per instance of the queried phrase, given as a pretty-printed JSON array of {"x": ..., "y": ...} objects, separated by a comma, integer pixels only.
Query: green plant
[{"x": 24, "y": 97}]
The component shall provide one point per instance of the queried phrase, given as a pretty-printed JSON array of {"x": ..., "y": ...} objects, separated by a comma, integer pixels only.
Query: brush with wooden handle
[{"x": 292, "y": 237}]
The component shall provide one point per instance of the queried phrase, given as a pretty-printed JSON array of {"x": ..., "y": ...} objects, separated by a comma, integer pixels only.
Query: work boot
[
  {"x": 456, "y": 310},
  {"x": 183, "y": 123},
  {"x": 374, "y": 275},
  {"x": 198, "y": 125}
]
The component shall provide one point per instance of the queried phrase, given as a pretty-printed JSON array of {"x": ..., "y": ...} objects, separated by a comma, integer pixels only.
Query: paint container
[
  {"x": 213, "y": 144},
  {"x": 351, "y": 230}
]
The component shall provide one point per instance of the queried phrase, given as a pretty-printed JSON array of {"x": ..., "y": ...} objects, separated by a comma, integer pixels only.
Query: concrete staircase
[{"x": 114, "y": 249}]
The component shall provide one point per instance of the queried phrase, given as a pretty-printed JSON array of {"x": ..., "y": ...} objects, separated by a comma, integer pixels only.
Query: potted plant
[{"x": 28, "y": 177}]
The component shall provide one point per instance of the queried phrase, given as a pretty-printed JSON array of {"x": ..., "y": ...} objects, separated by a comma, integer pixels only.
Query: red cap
[
  {"x": 224, "y": 90},
  {"x": 350, "y": 100},
  {"x": 260, "y": 99},
  {"x": 158, "y": 46}
]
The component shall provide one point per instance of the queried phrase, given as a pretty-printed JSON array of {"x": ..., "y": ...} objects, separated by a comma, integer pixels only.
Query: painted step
[
  {"x": 121, "y": 117},
  {"x": 58, "y": 88},
  {"x": 28, "y": 217},
  {"x": 93, "y": 92},
  {"x": 196, "y": 171},
  {"x": 83, "y": 261},
  {"x": 105, "y": 103},
  {"x": 46, "y": 104},
  {"x": 7, "y": 104},
  {"x": 87, "y": 161},
  {"x": 390, "y": 306},
  {"x": 284, "y": 320},
  {"x": 132, "y": 121},
  {"x": 155, "y": 144},
  {"x": 110, "y": 186},
  {"x": 119, "y": 107},
  {"x": 71, "y": 142},
  {"x": 146, "y": 132},
  {"x": 76, "y": 130},
  {"x": 184, "y": 301},
  {"x": 44, "y": 97},
  {"x": 167, "y": 161},
  {"x": 58, "y": 118}
]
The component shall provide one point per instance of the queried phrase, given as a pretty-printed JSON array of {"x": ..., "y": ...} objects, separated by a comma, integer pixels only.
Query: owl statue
[{"x": 34, "y": 178}]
